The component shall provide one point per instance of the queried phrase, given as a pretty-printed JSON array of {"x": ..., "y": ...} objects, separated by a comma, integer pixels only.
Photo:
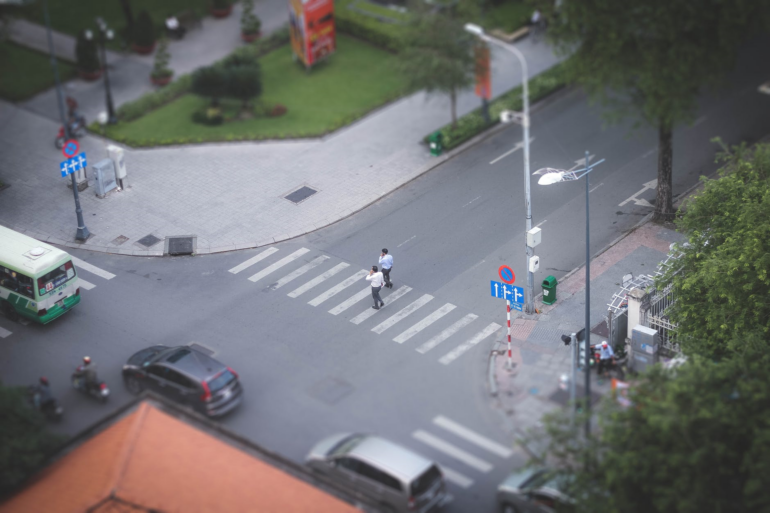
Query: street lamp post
[
  {"x": 529, "y": 300},
  {"x": 82, "y": 232},
  {"x": 105, "y": 34},
  {"x": 550, "y": 176}
]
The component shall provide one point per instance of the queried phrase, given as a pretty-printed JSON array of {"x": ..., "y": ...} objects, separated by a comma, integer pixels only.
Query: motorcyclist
[
  {"x": 606, "y": 357},
  {"x": 87, "y": 373}
]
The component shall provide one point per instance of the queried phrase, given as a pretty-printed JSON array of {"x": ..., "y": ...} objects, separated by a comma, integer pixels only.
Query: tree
[
  {"x": 437, "y": 55},
  {"x": 244, "y": 83},
  {"x": 721, "y": 282},
  {"x": 211, "y": 82},
  {"x": 160, "y": 68},
  {"x": 651, "y": 59},
  {"x": 26, "y": 440},
  {"x": 144, "y": 31},
  {"x": 128, "y": 14},
  {"x": 86, "y": 53},
  {"x": 695, "y": 439},
  {"x": 250, "y": 23}
]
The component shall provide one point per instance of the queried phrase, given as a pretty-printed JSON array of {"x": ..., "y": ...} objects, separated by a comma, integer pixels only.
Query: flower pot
[
  {"x": 161, "y": 81},
  {"x": 142, "y": 50},
  {"x": 250, "y": 38},
  {"x": 90, "y": 76},
  {"x": 219, "y": 12}
]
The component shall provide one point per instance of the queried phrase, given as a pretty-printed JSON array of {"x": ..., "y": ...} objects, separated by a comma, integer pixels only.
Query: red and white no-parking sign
[
  {"x": 506, "y": 274},
  {"x": 70, "y": 148}
]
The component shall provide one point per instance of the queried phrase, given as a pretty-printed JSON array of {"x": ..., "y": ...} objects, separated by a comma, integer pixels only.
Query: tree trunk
[
  {"x": 664, "y": 205},
  {"x": 453, "y": 101},
  {"x": 128, "y": 14}
]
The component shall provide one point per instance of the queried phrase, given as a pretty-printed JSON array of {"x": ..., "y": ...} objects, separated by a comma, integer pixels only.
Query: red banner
[
  {"x": 483, "y": 72},
  {"x": 311, "y": 24}
]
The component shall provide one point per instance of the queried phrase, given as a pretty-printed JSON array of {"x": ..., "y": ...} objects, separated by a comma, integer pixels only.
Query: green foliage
[
  {"x": 144, "y": 31},
  {"x": 86, "y": 53},
  {"x": 26, "y": 439},
  {"x": 162, "y": 58},
  {"x": 244, "y": 83},
  {"x": 250, "y": 23},
  {"x": 26, "y": 72},
  {"x": 723, "y": 288},
  {"x": 221, "y": 4},
  {"x": 211, "y": 82},
  {"x": 508, "y": 15},
  {"x": 350, "y": 20},
  {"x": 696, "y": 439}
]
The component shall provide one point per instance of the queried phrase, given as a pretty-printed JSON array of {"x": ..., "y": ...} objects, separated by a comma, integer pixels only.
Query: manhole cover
[
  {"x": 301, "y": 194},
  {"x": 183, "y": 245},
  {"x": 122, "y": 238},
  {"x": 331, "y": 390},
  {"x": 147, "y": 241}
]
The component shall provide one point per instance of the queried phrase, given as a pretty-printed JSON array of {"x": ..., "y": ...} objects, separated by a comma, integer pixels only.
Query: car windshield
[
  {"x": 221, "y": 380},
  {"x": 547, "y": 479},
  {"x": 426, "y": 481},
  {"x": 346, "y": 445}
]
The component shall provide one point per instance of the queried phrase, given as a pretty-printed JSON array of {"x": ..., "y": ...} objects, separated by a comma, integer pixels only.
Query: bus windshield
[{"x": 55, "y": 278}]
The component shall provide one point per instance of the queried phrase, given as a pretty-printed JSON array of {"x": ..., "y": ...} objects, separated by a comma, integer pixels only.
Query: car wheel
[
  {"x": 9, "y": 311},
  {"x": 509, "y": 508},
  {"x": 133, "y": 385}
]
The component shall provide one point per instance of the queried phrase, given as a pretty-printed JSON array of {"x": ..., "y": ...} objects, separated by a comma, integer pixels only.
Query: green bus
[{"x": 37, "y": 281}]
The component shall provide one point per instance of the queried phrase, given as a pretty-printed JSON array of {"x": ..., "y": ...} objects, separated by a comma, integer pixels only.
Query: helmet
[
  {"x": 86, "y": 360},
  {"x": 43, "y": 380},
  {"x": 604, "y": 344}
]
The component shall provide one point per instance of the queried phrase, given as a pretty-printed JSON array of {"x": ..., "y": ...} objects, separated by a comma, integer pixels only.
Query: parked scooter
[
  {"x": 96, "y": 389},
  {"x": 77, "y": 130},
  {"x": 40, "y": 398}
]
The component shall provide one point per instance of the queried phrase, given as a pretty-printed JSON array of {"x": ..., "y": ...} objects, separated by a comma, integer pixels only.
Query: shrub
[
  {"x": 243, "y": 83},
  {"x": 162, "y": 58},
  {"x": 144, "y": 30},
  {"x": 250, "y": 24},
  {"x": 212, "y": 116},
  {"x": 221, "y": 4},
  {"x": 86, "y": 53},
  {"x": 380, "y": 34},
  {"x": 133, "y": 110},
  {"x": 278, "y": 110},
  {"x": 211, "y": 82}
]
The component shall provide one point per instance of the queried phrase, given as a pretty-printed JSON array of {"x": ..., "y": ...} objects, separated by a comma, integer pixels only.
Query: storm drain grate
[
  {"x": 301, "y": 194},
  {"x": 181, "y": 245},
  {"x": 147, "y": 241},
  {"x": 331, "y": 390}
]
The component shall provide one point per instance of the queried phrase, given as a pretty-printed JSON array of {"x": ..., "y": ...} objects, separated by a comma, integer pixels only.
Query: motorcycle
[
  {"x": 77, "y": 130},
  {"x": 51, "y": 408},
  {"x": 98, "y": 390}
]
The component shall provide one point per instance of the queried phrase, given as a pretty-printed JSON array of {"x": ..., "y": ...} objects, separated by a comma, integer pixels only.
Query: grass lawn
[
  {"x": 508, "y": 16},
  {"x": 355, "y": 80},
  {"x": 27, "y": 72},
  {"x": 380, "y": 10}
]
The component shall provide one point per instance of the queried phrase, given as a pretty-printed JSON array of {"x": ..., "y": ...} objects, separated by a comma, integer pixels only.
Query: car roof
[
  {"x": 189, "y": 361},
  {"x": 386, "y": 455}
]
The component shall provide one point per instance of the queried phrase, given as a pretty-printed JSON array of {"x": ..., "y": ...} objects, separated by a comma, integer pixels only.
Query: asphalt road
[{"x": 308, "y": 371}]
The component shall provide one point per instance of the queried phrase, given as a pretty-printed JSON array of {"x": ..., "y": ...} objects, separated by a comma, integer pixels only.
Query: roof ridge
[{"x": 128, "y": 447}]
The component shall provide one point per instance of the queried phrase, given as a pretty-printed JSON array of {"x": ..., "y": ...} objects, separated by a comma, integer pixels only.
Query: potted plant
[
  {"x": 250, "y": 24},
  {"x": 221, "y": 8},
  {"x": 89, "y": 67},
  {"x": 143, "y": 38},
  {"x": 161, "y": 73}
]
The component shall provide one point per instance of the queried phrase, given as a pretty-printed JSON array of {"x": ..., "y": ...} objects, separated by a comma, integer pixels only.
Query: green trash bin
[
  {"x": 436, "y": 143},
  {"x": 549, "y": 290}
]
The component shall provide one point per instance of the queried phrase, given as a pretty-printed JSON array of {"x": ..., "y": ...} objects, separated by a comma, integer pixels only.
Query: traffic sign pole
[{"x": 510, "y": 357}]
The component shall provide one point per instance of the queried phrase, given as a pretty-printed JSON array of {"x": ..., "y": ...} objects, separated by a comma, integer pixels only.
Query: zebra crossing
[
  {"x": 451, "y": 441},
  {"x": 406, "y": 316}
]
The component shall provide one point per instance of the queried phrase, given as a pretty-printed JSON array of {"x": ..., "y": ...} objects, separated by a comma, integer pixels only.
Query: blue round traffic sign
[
  {"x": 70, "y": 148},
  {"x": 506, "y": 274}
]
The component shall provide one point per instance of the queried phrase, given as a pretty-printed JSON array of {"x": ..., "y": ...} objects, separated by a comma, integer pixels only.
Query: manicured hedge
[
  {"x": 368, "y": 28},
  {"x": 473, "y": 123}
]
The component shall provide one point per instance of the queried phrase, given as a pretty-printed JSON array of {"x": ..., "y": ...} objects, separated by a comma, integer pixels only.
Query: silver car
[
  {"x": 533, "y": 491},
  {"x": 376, "y": 470}
]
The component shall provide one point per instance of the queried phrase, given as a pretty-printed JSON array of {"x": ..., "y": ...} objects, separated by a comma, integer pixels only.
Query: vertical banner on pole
[
  {"x": 311, "y": 27},
  {"x": 483, "y": 72}
]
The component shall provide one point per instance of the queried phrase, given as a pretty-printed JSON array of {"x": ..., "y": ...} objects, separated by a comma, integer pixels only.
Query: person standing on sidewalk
[
  {"x": 376, "y": 278},
  {"x": 606, "y": 358},
  {"x": 386, "y": 262}
]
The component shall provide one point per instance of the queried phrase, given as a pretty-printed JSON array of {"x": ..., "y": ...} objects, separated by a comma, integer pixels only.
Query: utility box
[
  {"x": 534, "y": 263},
  {"x": 645, "y": 346},
  {"x": 534, "y": 237},
  {"x": 117, "y": 157},
  {"x": 104, "y": 176}
]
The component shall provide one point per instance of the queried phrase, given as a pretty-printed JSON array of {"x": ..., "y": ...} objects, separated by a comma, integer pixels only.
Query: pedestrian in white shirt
[
  {"x": 386, "y": 262},
  {"x": 606, "y": 357},
  {"x": 377, "y": 282}
]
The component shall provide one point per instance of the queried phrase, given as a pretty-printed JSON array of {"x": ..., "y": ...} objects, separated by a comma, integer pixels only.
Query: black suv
[{"x": 186, "y": 376}]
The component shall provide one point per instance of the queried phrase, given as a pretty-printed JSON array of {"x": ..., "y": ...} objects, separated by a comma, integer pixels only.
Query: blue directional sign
[
  {"x": 506, "y": 291},
  {"x": 69, "y": 166}
]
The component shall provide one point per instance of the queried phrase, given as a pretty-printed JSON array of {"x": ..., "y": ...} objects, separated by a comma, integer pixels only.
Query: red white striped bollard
[{"x": 510, "y": 358}]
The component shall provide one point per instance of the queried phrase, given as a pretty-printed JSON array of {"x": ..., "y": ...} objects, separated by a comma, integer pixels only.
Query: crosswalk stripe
[
  {"x": 4, "y": 332},
  {"x": 455, "y": 477},
  {"x": 253, "y": 260},
  {"x": 401, "y": 314},
  {"x": 478, "y": 337},
  {"x": 274, "y": 267},
  {"x": 452, "y": 451},
  {"x": 414, "y": 330},
  {"x": 92, "y": 268},
  {"x": 454, "y": 328},
  {"x": 358, "y": 319},
  {"x": 351, "y": 301},
  {"x": 85, "y": 284},
  {"x": 299, "y": 272},
  {"x": 338, "y": 288},
  {"x": 472, "y": 437},
  {"x": 318, "y": 279}
]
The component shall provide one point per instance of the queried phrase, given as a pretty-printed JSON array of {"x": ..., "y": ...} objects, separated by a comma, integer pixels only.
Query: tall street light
[
  {"x": 550, "y": 176},
  {"x": 529, "y": 305},
  {"x": 105, "y": 34},
  {"x": 82, "y": 233}
]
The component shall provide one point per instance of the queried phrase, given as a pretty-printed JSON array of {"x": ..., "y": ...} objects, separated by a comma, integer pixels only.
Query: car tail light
[
  {"x": 77, "y": 291},
  {"x": 42, "y": 312},
  {"x": 233, "y": 372},
  {"x": 411, "y": 504},
  {"x": 206, "y": 395}
]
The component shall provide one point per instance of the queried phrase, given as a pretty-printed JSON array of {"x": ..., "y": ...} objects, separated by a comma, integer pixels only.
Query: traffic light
[{"x": 581, "y": 359}]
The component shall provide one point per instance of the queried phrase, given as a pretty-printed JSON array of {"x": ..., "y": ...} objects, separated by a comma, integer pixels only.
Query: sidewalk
[{"x": 231, "y": 196}]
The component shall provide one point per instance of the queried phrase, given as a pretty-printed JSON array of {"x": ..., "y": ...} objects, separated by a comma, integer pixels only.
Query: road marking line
[
  {"x": 358, "y": 319},
  {"x": 318, "y": 279},
  {"x": 92, "y": 268},
  {"x": 519, "y": 145},
  {"x": 351, "y": 301},
  {"x": 401, "y": 314},
  {"x": 472, "y": 437},
  {"x": 299, "y": 272},
  {"x": 454, "y": 328},
  {"x": 274, "y": 267},
  {"x": 592, "y": 190},
  {"x": 471, "y": 201},
  {"x": 253, "y": 260},
  {"x": 4, "y": 332},
  {"x": 338, "y": 288},
  {"x": 462, "y": 348},
  {"x": 414, "y": 330},
  {"x": 541, "y": 223},
  {"x": 452, "y": 451},
  {"x": 455, "y": 477},
  {"x": 85, "y": 284},
  {"x": 407, "y": 240}
]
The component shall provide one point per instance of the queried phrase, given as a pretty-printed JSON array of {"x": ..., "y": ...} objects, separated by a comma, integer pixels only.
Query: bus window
[
  {"x": 55, "y": 278},
  {"x": 17, "y": 282}
]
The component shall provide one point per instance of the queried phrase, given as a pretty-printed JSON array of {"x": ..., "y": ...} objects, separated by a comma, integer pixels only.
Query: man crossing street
[
  {"x": 376, "y": 278},
  {"x": 386, "y": 262}
]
